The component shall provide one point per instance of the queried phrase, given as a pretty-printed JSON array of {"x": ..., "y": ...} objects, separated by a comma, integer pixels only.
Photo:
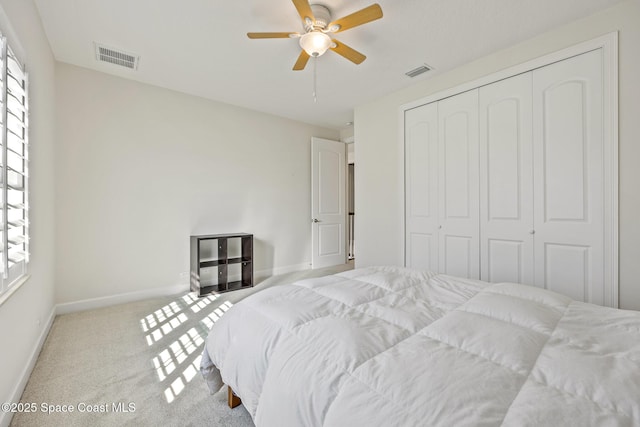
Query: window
[{"x": 14, "y": 224}]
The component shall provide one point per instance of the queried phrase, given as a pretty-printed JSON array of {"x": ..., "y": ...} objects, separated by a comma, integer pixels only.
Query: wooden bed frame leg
[{"x": 233, "y": 399}]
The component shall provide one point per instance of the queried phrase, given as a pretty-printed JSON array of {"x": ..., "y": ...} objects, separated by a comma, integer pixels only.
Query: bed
[{"x": 387, "y": 346}]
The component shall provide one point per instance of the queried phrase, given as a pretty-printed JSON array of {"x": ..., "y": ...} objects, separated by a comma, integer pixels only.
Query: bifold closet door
[
  {"x": 421, "y": 187},
  {"x": 569, "y": 176},
  {"x": 506, "y": 181},
  {"x": 458, "y": 186}
]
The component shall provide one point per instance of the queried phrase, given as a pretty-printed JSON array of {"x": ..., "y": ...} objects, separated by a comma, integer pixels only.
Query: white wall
[
  {"x": 140, "y": 168},
  {"x": 24, "y": 317},
  {"x": 379, "y": 187}
]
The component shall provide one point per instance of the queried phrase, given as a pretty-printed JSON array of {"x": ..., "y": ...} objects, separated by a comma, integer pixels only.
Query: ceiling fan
[{"x": 318, "y": 26}]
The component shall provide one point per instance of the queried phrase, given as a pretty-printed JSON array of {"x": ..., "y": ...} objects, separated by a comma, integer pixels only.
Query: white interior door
[
  {"x": 328, "y": 203},
  {"x": 421, "y": 187},
  {"x": 506, "y": 181},
  {"x": 569, "y": 176},
  {"x": 459, "y": 235}
]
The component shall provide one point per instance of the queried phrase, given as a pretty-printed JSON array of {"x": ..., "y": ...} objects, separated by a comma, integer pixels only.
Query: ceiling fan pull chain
[{"x": 315, "y": 95}]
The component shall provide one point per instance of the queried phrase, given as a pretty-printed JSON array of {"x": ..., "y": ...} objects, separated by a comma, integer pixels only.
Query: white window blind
[{"x": 14, "y": 224}]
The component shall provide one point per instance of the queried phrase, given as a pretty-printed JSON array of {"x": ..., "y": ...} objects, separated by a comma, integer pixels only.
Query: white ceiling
[{"x": 200, "y": 47}]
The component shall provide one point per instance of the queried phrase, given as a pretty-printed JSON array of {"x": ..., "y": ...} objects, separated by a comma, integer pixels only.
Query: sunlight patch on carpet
[{"x": 178, "y": 363}]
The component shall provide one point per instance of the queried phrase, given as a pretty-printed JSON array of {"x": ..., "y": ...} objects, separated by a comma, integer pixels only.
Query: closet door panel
[
  {"x": 504, "y": 261},
  {"x": 564, "y": 151},
  {"x": 419, "y": 251},
  {"x": 421, "y": 187},
  {"x": 506, "y": 181},
  {"x": 458, "y": 185},
  {"x": 569, "y": 175},
  {"x": 567, "y": 269},
  {"x": 457, "y": 252},
  {"x": 457, "y": 149}
]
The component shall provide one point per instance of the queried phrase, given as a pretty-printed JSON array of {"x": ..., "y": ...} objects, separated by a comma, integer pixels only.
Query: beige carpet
[{"x": 135, "y": 364}]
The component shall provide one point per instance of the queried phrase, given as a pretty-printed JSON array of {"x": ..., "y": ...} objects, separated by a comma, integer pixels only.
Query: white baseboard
[
  {"x": 5, "y": 417},
  {"x": 92, "y": 303},
  {"x": 260, "y": 275}
]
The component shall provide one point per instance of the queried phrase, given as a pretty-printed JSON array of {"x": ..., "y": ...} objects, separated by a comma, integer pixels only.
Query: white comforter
[{"x": 397, "y": 347}]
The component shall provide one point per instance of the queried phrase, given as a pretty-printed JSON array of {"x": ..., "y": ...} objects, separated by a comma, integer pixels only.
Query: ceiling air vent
[
  {"x": 417, "y": 71},
  {"x": 117, "y": 57}
]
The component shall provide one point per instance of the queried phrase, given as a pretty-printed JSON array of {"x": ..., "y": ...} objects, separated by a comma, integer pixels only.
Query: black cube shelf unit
[{"x": 220, "y": 261}]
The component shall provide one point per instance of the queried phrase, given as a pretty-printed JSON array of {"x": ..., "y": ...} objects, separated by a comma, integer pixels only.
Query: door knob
[{"x": 316, "y": 220}]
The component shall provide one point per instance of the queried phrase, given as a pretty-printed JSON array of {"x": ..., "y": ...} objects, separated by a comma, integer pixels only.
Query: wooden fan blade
[
  {"x": 360, "y": 17},
  {"x": 304, "y": 9},
  {"x": 270, "y": 35},
  {"x": 302, "y": 61},
  {"x": 349, "y": 53}
]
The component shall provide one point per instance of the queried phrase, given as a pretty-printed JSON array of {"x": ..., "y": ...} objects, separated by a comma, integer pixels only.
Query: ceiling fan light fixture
[
  {"x": 317, "y": 22},
  {"x": 315, "y": 43}
]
